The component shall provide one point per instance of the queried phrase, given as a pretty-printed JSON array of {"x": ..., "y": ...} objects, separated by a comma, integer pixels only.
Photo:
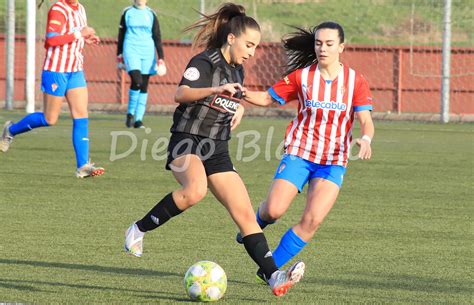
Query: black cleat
[
  {"x": 129, "y": 121},
  {"x": 260, "y": 277},
  {"x": 138, "y": 124}
]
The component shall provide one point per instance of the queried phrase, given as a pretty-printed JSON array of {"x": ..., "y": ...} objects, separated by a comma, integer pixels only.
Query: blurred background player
[
  {"x": 198, "y": 150},
  {"x": 63, "y": 76},
  {"x": 139, "y": 35},
  {"x": 318, "y": 140}
]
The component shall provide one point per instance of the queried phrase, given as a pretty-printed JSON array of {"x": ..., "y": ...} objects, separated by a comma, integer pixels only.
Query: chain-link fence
[{"x": 396, "y": 44}]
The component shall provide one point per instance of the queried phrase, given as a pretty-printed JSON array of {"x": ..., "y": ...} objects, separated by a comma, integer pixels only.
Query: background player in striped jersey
[
  {"x": 63, "y": 76},
  {"x": 318, "y": 140},
  {"x": 139, "y": 35},
  {"x": 198, "y": 150}
]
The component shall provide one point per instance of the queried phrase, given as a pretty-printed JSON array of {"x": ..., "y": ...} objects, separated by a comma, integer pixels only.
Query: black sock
[
  {"x": 257, "y": 247},
  {"x": 161, "y": 213}
]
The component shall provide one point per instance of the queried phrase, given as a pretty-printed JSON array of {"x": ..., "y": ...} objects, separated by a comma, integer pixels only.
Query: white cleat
[
  {"x": 89, "y": 170},
  {"x": 281, "y": 281},
  {"x": 134, "y": 240},
  {"x": 7, "y": 137}
]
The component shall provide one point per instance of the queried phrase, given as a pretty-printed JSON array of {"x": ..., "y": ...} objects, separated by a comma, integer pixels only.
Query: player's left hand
[
  {"x": 92, "y": 39},
  {"x": 237, "y": 117},
  {"x": 161, "y": 67},
  {"x": 365, "y": 151}
]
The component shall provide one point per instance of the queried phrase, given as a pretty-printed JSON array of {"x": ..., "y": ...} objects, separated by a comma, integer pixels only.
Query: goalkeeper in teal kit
[{"x": 139, "y": 36}]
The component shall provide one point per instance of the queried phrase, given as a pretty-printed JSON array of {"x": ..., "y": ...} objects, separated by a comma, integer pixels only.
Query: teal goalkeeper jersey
[{"x": 139, "y": 33}]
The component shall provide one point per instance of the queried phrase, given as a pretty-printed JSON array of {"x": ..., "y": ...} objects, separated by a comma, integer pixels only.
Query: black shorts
[{"x": 213, "y": 153}]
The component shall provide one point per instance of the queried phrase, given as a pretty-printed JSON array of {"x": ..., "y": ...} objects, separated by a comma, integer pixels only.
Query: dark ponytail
[
  {"x": 299, "y": 45},
  {"x": 214, "y": 29}
]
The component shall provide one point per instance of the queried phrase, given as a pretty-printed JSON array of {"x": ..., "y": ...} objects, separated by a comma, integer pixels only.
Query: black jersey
[{"x": 209, "y": 117}]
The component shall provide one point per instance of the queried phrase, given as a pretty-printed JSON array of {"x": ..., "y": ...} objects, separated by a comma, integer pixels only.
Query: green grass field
[
  {"x": 374, "y": 22},
  {"x": 401, "y": 231}
]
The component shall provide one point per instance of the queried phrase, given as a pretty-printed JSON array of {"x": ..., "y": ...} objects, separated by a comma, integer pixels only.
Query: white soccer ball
[
  {"x": 205, "y": 281},
  {"x": 161, "y": 69}
]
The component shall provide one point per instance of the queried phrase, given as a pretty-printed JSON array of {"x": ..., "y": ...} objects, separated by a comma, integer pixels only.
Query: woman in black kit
[{"x": 208, "y": 97}]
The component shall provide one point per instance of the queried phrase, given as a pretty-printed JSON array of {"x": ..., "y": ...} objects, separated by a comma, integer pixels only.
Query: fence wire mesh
[{"x": 396, "y": 44}]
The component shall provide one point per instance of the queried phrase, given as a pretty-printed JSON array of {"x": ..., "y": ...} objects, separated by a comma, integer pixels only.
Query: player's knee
[
  {"x": 51, "y": 119},
  {"x": 310, "y": 224},
  {"x": 136, "y": 85},
  {"x": 137, "y": 80},
  {"x": 272, "y": 214},
  {"x": 194, "y": 194}
]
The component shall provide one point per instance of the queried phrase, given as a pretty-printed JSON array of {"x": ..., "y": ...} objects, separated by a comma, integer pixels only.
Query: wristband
[
  {"x": 77, "y": 34},
  {"x": 367, "y": 138}
]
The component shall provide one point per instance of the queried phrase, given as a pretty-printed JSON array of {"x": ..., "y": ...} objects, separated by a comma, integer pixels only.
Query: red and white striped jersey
[
  {"x": 63, "y": 49},
  {"x": 322, "y": 130}
]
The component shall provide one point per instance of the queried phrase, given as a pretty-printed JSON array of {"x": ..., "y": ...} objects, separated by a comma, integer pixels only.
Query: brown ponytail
[
  {"x": 213, "y": 29},
  {"x": 299, "y": 48}
]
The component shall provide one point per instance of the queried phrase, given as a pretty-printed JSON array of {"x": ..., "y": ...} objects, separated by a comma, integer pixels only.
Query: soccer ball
[
  {"x": 161, "y": 68},
  {"x": 205, "y": 281}
]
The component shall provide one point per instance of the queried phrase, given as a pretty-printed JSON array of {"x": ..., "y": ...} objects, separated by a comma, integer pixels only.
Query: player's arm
[
  {"x": 363, "y": 108},
  {"x": 282, "y": 91},
  {"x": 156, "y": 33},
  {"x": 54, "y": 27},
  {"x": 367, "y": 130},
  {"x": 186, "y": 94},
  {"x": 121, "y": 34},
  {"x": 259, "y": 98},
  {"x": 196, "y": 83}
]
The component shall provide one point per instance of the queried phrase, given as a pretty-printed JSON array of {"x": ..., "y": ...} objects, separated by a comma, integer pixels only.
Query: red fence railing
[{"x": 402, "y": 79}]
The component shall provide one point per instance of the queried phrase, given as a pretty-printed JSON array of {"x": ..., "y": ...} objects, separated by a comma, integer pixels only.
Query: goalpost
[
  {"x": 10, "y": 55},
  {"x": 30, "y": 55}
]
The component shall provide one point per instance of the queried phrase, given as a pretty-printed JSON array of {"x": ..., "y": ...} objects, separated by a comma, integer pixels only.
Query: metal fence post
[
  {"x": 10, "y": 56},
  {"x": 30, "y": 55},
  {"x": 446, "y": 63}
]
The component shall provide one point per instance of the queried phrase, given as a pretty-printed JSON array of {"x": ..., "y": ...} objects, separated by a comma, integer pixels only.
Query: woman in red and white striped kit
[
  {"x": 317, "y": 143},
  {"x": 63, "y": 76}
]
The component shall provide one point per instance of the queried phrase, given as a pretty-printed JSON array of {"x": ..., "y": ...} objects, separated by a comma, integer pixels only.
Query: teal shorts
[
  {"x": 58, "y": 83},
  {"x": 299, "y": 171}
]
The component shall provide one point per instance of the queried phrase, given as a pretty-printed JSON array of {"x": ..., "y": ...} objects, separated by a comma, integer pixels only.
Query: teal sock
[
  {"x": 133, "y": 100},
  {"x": 141, "y": 107},
  {"x": 29, "y": 122},
  {"x": 290, "y": 245},
  {"x": 80, "y": 140},
  {"x": 262, "y": 223}
]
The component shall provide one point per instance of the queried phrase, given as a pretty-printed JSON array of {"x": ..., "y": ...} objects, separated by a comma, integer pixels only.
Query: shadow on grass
[
  {"x": 95, "y": 268},
  {"x": 406, "y": 282},
  {"x": 25, "y": 285},
  {"x": 28, "y": 285},
  {"x": 7, "y": 284}
]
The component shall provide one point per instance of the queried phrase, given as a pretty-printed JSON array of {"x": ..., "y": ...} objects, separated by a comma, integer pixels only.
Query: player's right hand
[
  {"x": 87, "y": 31},
  {"x": 230, "y": 88},
  {"x": 365, "y": 152},
  {"x": 92, "y": 39},
  {"x": 237, "y": 117}
]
